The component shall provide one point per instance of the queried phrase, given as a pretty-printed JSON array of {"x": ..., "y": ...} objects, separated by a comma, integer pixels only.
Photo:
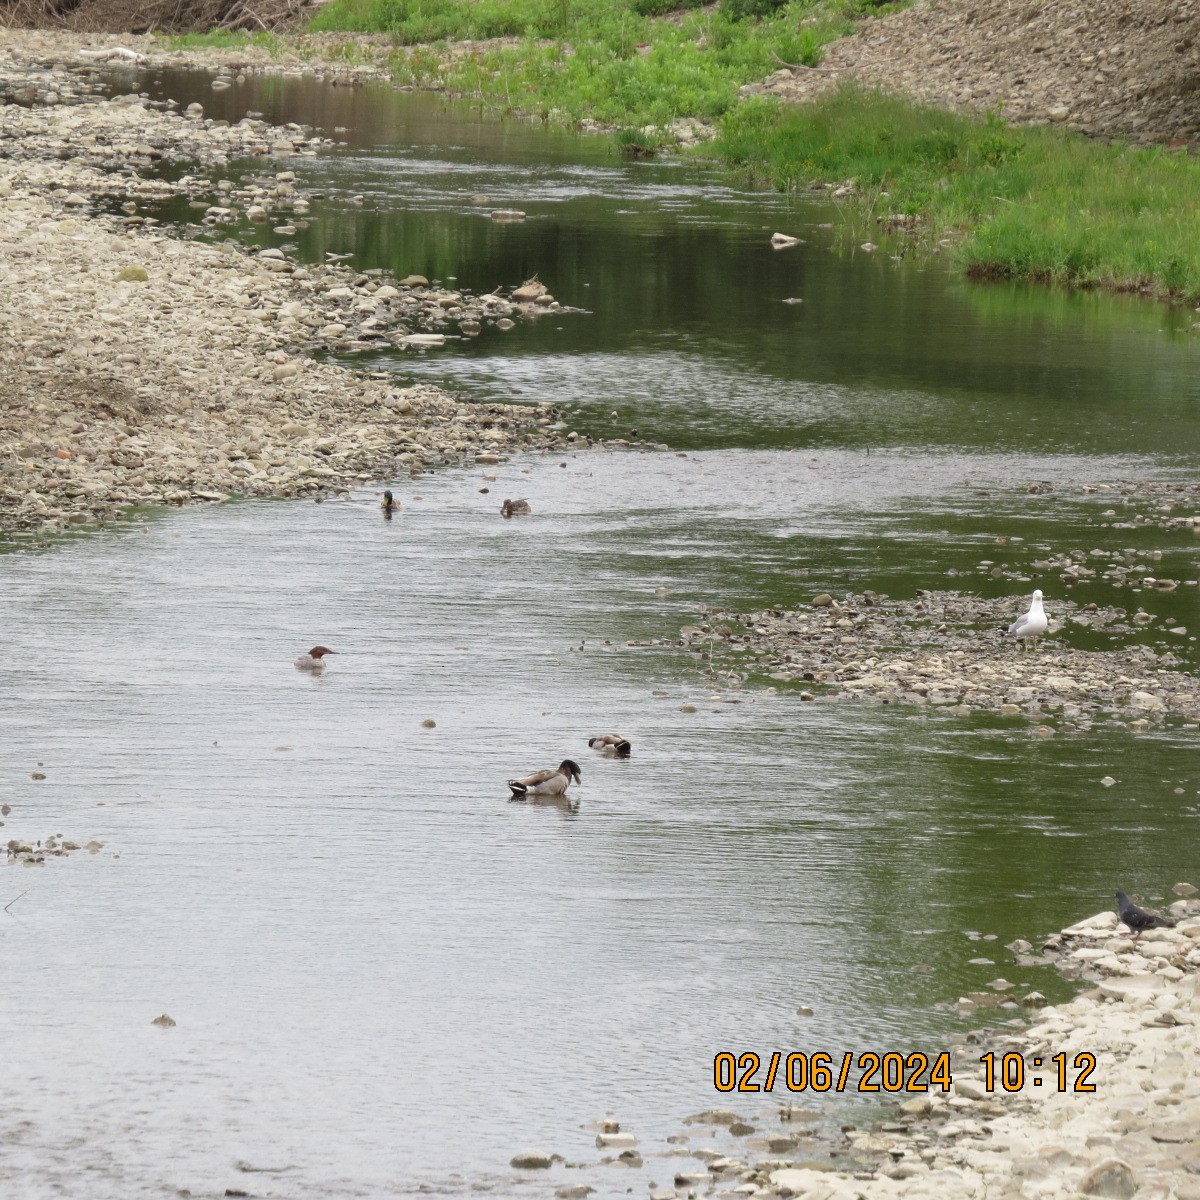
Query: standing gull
[{"x": 1033, "y": 624}]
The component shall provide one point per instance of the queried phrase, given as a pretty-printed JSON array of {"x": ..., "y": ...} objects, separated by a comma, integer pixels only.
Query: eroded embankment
[
  {"x": 1108, "y": 68},
  {"x": 140, "y": 368}
]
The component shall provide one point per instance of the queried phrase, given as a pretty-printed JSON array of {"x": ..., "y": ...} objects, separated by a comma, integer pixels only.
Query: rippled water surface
[{"x": 385, "y": 975}]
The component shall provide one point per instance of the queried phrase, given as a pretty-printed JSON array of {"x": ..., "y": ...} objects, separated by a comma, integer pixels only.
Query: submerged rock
[
  {"x": 530, "y": 1160},
  {"x": 1112, "y": 1179}
]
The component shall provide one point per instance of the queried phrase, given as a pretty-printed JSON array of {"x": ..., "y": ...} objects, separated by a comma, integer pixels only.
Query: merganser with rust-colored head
[
  {"x": 313, "y": 660},
  {"x": 548, "y": 783}
]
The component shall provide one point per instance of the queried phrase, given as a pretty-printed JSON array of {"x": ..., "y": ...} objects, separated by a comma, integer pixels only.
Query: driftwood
[{"x": 115, "y": 52}]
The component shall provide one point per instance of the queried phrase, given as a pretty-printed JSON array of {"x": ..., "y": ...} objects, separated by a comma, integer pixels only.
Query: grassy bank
[
  {"x": 620, "y": 62},
  {"x": 1024, "y": 203}
]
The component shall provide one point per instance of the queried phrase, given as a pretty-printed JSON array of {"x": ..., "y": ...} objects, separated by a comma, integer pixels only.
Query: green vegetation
[
  {"x": 1030, "y": 203},
  {"x": 1021, "y": 203},
  {"x": 609, "y": 60},
  {"x": 225, "y": 39}
]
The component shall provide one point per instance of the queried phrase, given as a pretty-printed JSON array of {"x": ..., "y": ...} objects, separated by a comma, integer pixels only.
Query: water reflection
[{"x": 687, "y": 333}]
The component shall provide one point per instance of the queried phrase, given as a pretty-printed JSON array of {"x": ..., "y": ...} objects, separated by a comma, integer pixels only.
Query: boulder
[{"x": 1113, "y": 1179}]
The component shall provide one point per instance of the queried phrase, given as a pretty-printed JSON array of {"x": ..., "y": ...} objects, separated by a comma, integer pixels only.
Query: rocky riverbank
[
  {"x": 348, "y": 58},
  {"x": 1129, "y": 1125},
  {"x": 945, "y": 650},
  {"x": 1137, "y": 1132},
  {"x": 1112, "y": 68},
  {"x": 140, "y": 368}
]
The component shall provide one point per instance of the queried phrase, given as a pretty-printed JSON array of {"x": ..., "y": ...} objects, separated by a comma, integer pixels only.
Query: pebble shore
[
  {"x": 140, "y": 368},
  {"x": 945, "y": 650},
  {"x": 1137, "y": 1133}
]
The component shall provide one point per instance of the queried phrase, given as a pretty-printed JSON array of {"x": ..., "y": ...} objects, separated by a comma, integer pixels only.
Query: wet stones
[
  {"x": 116, "y": 397},
  {"x": 943, "y": 650},
  {"x": 56, "y": 846},
  {"x": 531, "y": 1160},
  {"x": 615, "y": 1141},
  {"x": 1112, "y": 1179}
]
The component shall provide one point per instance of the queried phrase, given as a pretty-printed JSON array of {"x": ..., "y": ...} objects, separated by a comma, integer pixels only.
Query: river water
[{"x": 388, "y": 978}]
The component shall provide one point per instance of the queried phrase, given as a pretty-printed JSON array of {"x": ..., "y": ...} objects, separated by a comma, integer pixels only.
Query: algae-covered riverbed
[{"x": 385, "y": 976}]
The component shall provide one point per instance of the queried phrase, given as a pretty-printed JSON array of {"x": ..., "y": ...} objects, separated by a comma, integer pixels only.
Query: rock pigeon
[{"x": 1138, "y": 919}]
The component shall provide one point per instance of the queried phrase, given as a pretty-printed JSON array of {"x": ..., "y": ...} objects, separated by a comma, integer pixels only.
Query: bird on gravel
[
  {"x": 1032, "y": 624},
  {"x": 1138, "y": 919}
]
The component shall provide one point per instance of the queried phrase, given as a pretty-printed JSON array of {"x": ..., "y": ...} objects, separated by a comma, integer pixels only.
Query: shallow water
[{"x": 386, "y": 975}]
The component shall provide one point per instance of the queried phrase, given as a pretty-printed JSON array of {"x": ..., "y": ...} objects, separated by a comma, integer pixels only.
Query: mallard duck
[
  {"x": 1031, "y": 625},
  {"x": 548, "y": 783},
  {"x": 312, "y": 660},
  {"x": 515, "y": 508},
  {"x": 389, "y": 504},
  {"x": 611, "y": 743}
]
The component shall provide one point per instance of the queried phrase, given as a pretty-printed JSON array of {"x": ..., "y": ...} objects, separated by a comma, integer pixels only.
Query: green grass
[
  {"x": 224, "y": 39},
  {"x": 600, "y": 59},
  {"x": 1023, "y": 203}
]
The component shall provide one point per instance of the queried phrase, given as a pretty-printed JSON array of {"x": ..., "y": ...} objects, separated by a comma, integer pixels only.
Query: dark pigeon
[{"x": 1138, "y": 919}]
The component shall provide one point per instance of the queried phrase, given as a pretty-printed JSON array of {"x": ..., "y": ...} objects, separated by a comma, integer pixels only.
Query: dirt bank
[
  {"x": 125, "y": 16},
  {"x": 1109, "y": 68}
]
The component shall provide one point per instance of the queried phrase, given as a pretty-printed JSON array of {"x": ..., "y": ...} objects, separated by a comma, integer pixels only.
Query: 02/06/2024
[{"x": 888, "y": 1072}]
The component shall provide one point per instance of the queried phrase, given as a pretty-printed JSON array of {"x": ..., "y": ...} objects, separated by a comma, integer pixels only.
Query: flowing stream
[{"x": 388, "y": 978}]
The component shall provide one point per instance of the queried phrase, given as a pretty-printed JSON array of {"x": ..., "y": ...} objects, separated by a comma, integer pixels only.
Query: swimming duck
[
  {"x": 515, "y": 508},
  {"x": 548, "y": 783},
  {"x": 312, "y": 660},
  {"x": 611, "y": 743},
  {"x": 1032, "y": 624},
  {"x": 389, "y": 504}
]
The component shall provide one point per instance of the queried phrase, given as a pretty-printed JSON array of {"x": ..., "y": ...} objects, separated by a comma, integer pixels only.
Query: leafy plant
[{"x": 740, "y": 10}]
